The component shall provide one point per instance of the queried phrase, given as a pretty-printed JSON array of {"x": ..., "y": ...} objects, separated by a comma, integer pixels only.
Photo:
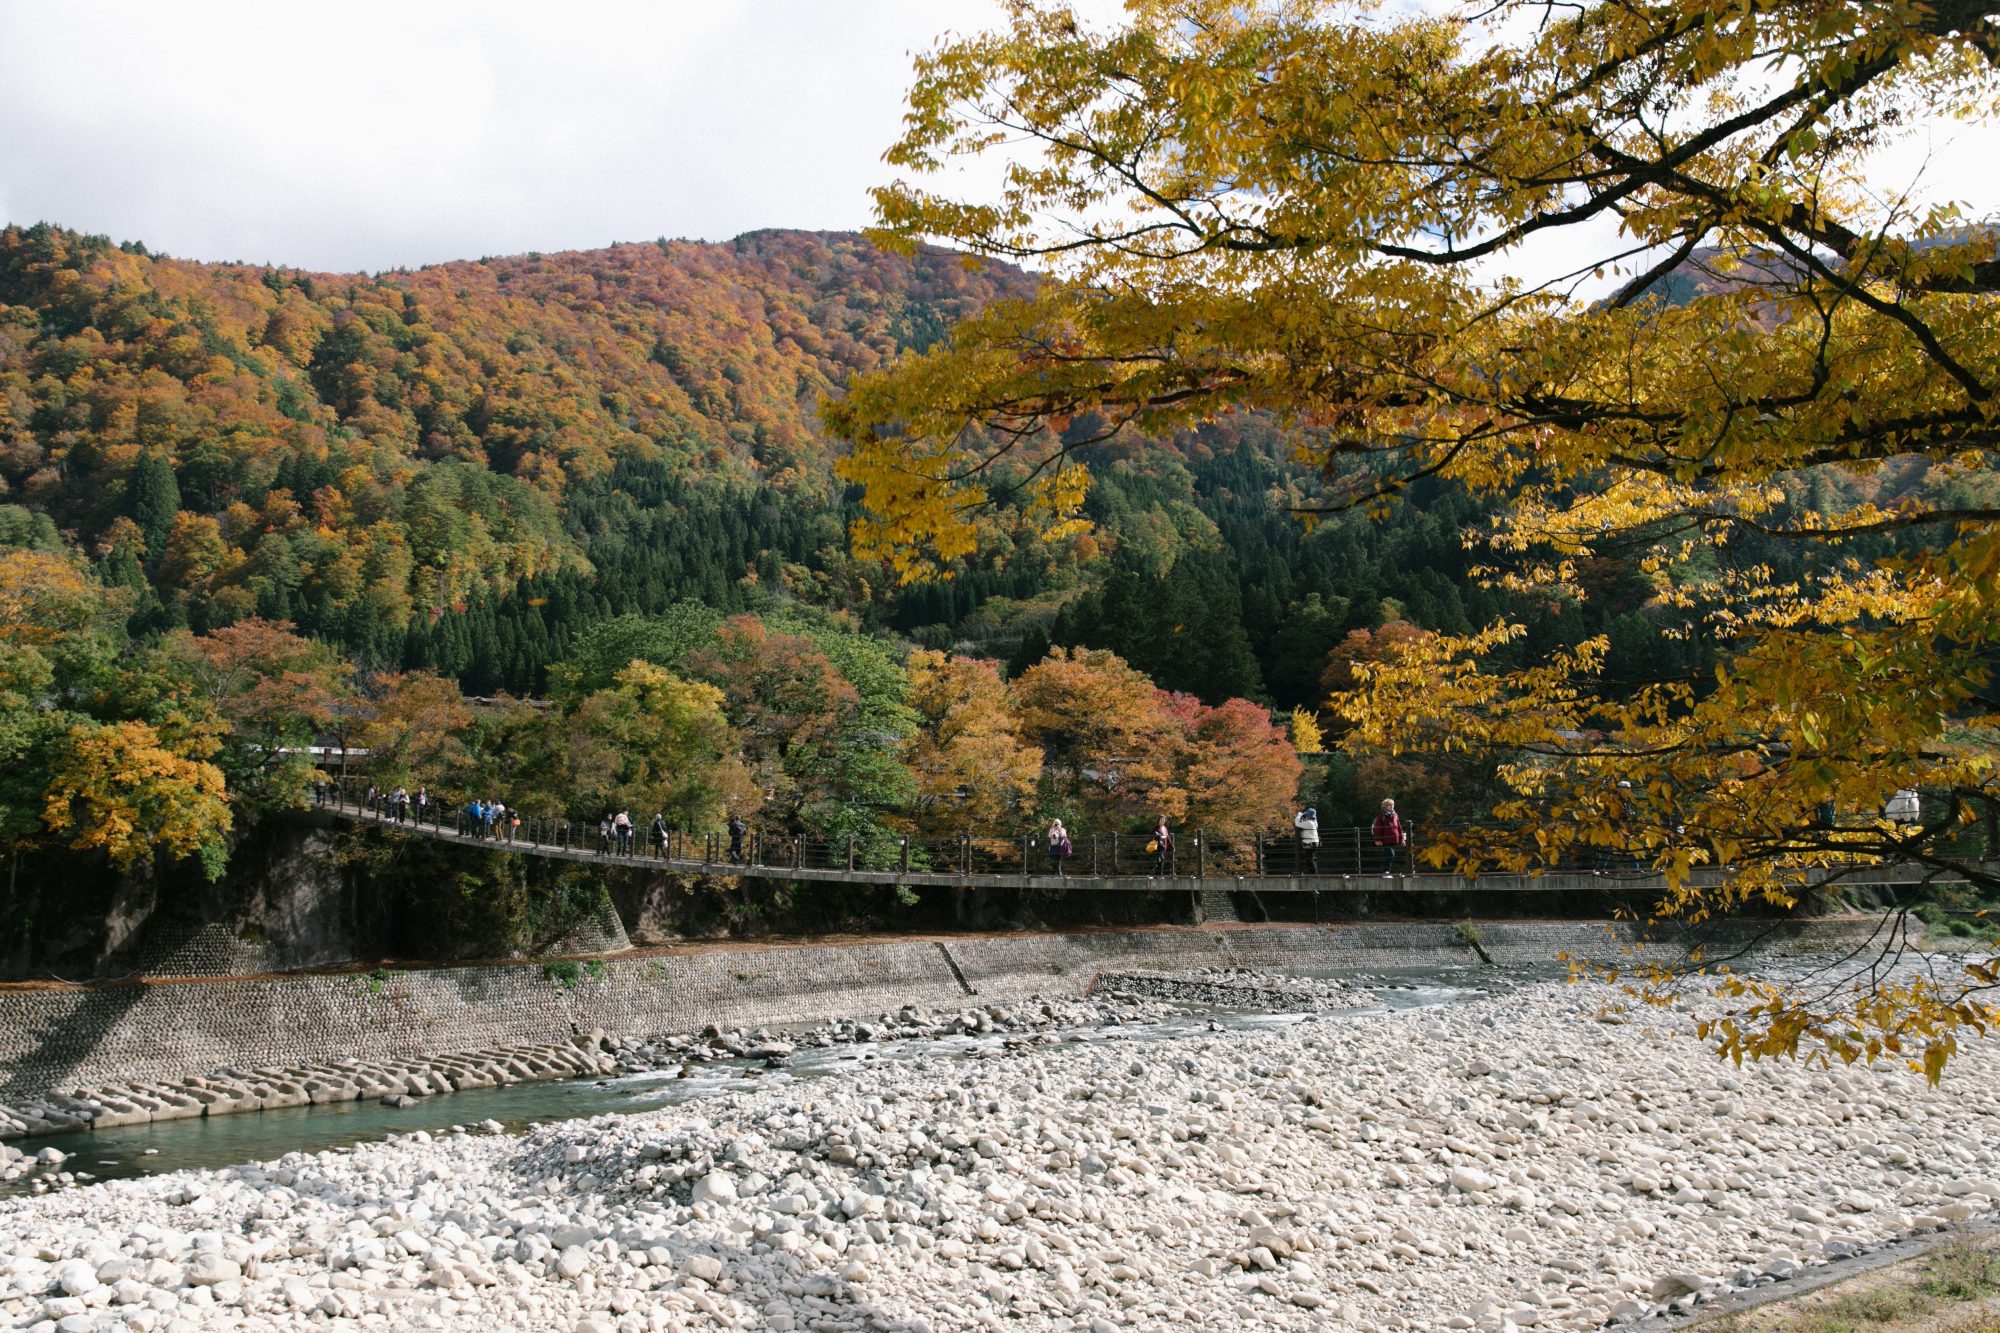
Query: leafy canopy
[{"x": 1311, "y": 210}]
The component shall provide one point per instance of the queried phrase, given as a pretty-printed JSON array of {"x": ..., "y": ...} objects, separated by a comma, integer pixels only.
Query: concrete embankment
[{"x": 174, "y": 1048}]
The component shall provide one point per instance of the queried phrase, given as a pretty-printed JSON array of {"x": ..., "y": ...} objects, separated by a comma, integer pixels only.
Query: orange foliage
[
  {"x": 533, "y": 371},
  {"x": 971, "y": 763}
]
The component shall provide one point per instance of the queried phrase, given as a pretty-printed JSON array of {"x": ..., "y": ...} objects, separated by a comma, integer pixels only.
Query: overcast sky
[
  {"x": 370, "y": 135},
  {"x": 367, "y": 135}
]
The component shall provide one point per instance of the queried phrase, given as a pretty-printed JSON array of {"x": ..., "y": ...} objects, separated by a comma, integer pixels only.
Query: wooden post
[
  {"x": 1094, "y": 871},
  {"x": 1260, "y": 853},
  {"x": 1200, "y": 854},
  {"x": 906, "y": 855}
]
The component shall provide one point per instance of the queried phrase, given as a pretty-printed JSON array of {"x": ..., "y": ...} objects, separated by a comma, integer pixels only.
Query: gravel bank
[
  {"x": 1234, "y": 988},
  {"x": 404, "y": 1082},
  {"x": 1513, "y": 1161}
]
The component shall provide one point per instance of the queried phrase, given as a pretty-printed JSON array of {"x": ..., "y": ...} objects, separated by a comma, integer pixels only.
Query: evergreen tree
[{"x": 152, "y": 499}]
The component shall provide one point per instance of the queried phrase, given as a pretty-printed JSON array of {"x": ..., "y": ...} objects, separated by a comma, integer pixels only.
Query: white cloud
[{"x": 374, "y": 134}]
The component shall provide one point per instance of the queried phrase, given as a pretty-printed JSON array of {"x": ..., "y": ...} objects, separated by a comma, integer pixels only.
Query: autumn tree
[
  {"x": 277, "y": 691},
  {"x": 821, "y": 718},
  {"x": 1348, "y": 660},
  {"x": 46, "y": 599},
  {"x": 50, "y": 612},
  {"x": 787, "y": 700},
  {"x": 1237, "y": 768},
  {"x": 654, "y": 743},
  {"x": 1109, "y": 747},
  {"x": 1307, "y": 735},
  {"x": 82, "y": 762},
  {"x": 414, "y": 729},
  {"x": 781, "y": 690},
  {"x": 1751, "y": 339},
  {"x": 117, "y": 790},
  {"x": 973, "y": 768}
]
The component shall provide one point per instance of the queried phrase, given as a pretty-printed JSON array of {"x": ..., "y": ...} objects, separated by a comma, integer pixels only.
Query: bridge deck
[{"x": 1546, "y": 881}]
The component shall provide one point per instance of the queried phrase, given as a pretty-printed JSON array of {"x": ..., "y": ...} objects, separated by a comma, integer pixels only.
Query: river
[{"x": 209, "y": 1142}]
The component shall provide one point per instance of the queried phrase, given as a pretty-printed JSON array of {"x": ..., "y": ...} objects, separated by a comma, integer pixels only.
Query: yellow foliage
[
  {"x": 1301, "y": 210},
  {"x": 972, "y": 766},
  {"x": 1308, "y": 737},
  {"x": 122, "y": 792},
  {"x": 44, "y": 598}
]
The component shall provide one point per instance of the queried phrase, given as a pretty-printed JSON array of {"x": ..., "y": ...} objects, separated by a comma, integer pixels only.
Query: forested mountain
[
  {"x": 362, "y": 455},
  {"x": 462, "y": 467}
]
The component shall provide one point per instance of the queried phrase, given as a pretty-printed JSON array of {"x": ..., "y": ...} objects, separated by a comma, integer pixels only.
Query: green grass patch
[{"x": 1917, "y": 1297}]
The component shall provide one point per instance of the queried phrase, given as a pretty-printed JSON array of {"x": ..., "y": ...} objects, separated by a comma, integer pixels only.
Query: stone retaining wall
[{"x": 61, "y": 1039}]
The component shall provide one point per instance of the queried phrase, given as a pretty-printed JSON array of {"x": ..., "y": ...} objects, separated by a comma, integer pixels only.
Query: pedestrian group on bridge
[{"x": 617, "y": 832}]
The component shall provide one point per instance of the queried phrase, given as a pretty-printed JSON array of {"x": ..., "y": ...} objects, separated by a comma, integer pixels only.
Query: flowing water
[{"x": 227, "y": 1140}]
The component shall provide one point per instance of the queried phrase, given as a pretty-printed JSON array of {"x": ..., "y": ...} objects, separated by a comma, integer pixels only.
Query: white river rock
[{"x": 1359, "y": 1172}]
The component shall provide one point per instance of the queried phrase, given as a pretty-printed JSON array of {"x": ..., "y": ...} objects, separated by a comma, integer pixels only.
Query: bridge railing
[{"x": 1278, "y": 853}]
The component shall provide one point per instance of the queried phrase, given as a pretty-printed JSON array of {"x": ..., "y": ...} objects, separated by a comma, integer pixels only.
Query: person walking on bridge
[
  {"x": 1390, "y": 834},
  {"x": 1306, "y": 826},
  {"x": 1163, "y": 849},
  {"x": 660, "y": 834},
  {"x": 622, "y": 826},
  {"x": 737, "y": 828},
  {"x": 1060, "y": 846}
]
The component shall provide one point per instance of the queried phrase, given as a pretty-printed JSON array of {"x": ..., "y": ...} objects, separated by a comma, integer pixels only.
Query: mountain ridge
[{"x": 416, "y": 438}]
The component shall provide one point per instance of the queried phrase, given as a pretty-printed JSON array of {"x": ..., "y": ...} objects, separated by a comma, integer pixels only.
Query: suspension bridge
[{"x": 1344, "y": 861}]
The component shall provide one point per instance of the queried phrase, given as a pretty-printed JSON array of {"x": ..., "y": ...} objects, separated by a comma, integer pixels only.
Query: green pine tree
[{"x": 152, "y": 500}]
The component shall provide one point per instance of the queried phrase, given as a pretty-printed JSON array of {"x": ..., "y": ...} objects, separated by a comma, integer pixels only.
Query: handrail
[{"x": 1343, "y": 854}]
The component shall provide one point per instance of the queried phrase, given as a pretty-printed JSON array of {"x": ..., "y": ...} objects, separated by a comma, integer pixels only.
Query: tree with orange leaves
[
  {"x": 277, "y": 691},
  {"x": 1109, "y": 746},
  {"x": 973, "y": 767},
  {"x": 415, "y": 729},
  {"x": 1237, "y": 768}
]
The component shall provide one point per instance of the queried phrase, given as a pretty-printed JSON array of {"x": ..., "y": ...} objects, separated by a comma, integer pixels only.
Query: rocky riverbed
[
  {"x": 1516, "y": 1161},
  {"x": 1234, "y": 988},
  {"x": 403, "y": 1082}
]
